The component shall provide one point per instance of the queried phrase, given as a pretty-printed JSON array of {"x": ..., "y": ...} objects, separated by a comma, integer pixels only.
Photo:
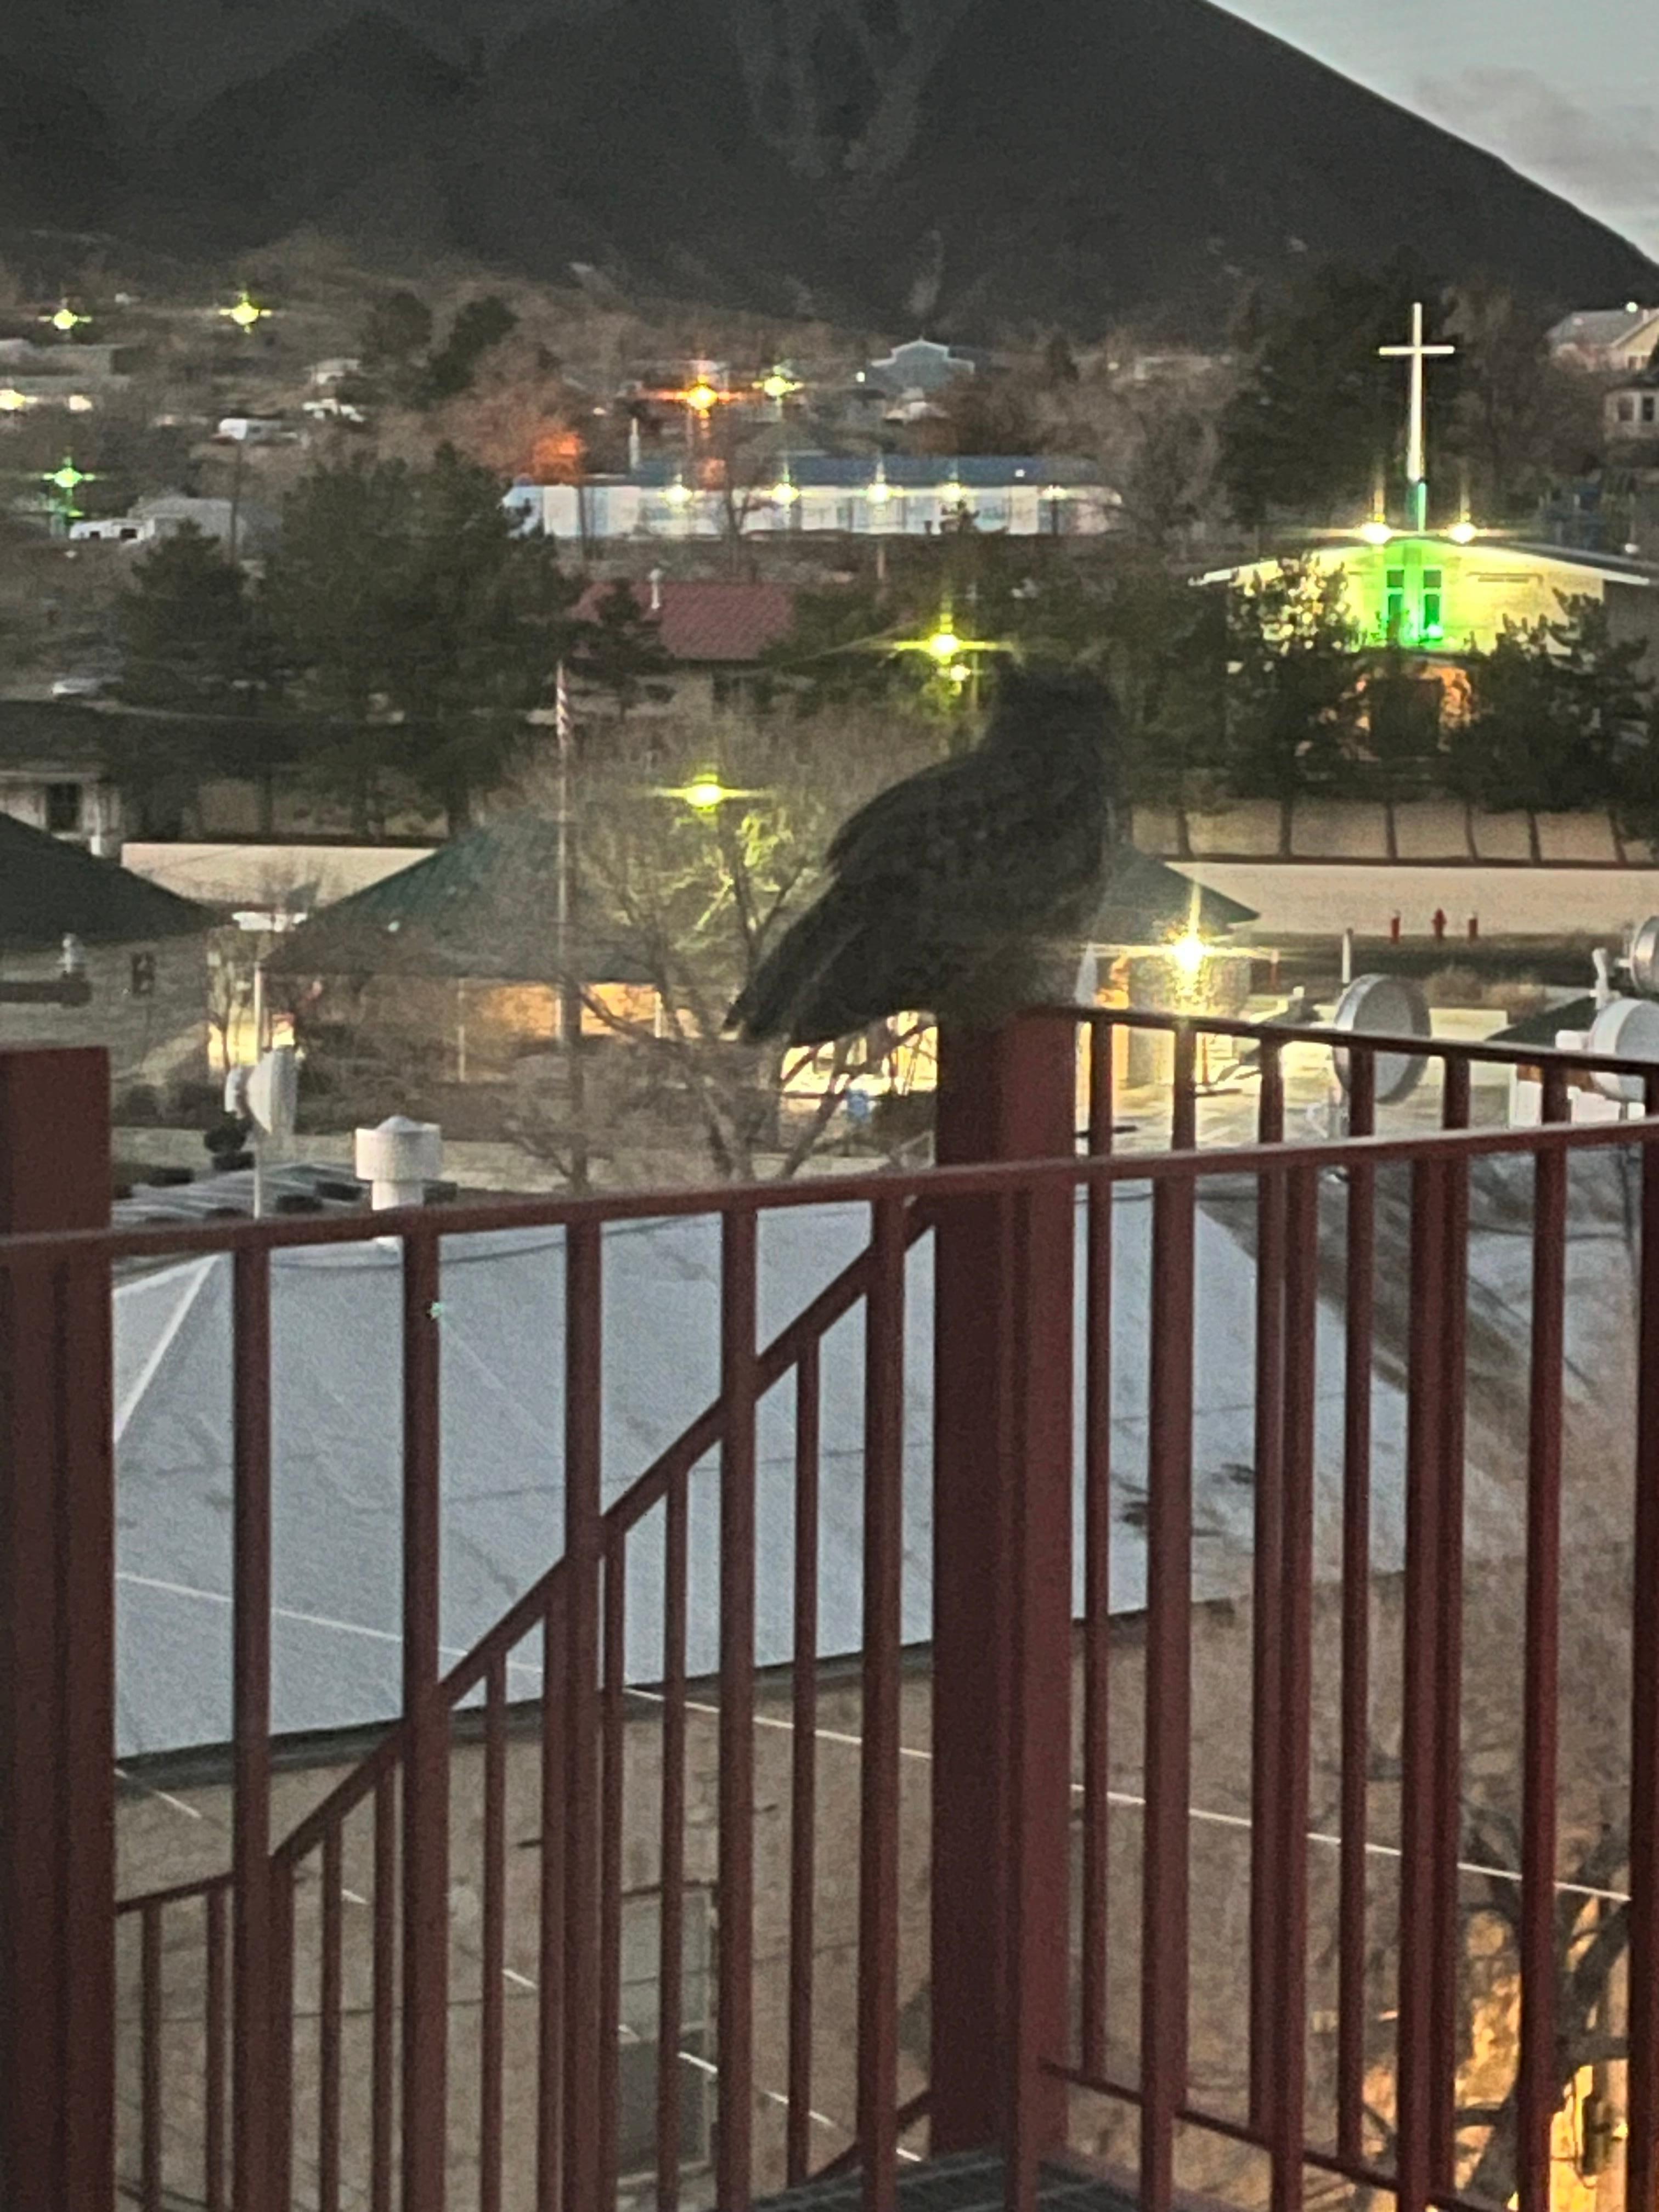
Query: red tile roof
[{"x": 712, "y": 622}]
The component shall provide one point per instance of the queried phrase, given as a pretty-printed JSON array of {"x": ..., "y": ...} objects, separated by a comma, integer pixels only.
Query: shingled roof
[
  {"x": 484, "y": 906},
  {"x": 50, "y": 890},
  {"x": 1146, "y": 901},
  {"x": 711, "y": 623}
]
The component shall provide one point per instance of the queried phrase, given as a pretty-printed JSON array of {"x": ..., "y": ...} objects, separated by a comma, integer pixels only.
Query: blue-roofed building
[{"x": 893, "y": 494}]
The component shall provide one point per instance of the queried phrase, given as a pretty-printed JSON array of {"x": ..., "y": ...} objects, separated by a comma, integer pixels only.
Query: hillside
[{"x": 970, "y": 163}]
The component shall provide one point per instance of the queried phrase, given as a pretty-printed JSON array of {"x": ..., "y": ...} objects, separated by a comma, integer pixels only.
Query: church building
[{"x": 1447, "y": 592}]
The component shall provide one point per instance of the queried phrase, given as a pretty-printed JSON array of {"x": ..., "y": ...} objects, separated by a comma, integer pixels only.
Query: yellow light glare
[
  {"x": 64, "y": 319},
  {"x": 701, "y": 397},
  {"x": 785, "y": 493},
  {"x": 779, "y": 384},
  {"x": 244, "y": 315},
  {"x": 1189, "y": 952},
  {"x": 704, "y": 793},
  {"x": 1463, "y": 533},
  {"x": 676, "y": 494},
  {"x": 1376, "y": 534},
  {"x": 14, "y": 401},
  {"x": 78, "y": 404},
  {"x": 945, "y": 645},
  {"x": 880, "y": 491}
]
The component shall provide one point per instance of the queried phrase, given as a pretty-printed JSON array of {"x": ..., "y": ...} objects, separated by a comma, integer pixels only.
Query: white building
[
  {"x": 912, "y": 496},
  {"x": 168, "y": 512}
]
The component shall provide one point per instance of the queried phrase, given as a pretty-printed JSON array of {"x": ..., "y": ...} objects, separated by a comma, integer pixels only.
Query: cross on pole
[{"x": 1416, "y": 471}]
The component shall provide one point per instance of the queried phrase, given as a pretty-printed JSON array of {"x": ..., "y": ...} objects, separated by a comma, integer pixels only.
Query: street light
[
  {"x": 704, "y": 793},
  {"x": 246, "y": 314},
  {"x": 64, "y": 319}
]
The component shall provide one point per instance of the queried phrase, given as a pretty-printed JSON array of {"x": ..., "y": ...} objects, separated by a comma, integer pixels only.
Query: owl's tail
[{"x": 797, "y": 994}]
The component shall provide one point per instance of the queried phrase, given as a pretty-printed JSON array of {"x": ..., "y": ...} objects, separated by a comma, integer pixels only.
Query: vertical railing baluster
[
  {"x": 804, "y": 1769},
  {"x": 328, "y": 2036},
  {"x": 879, "y": 1820},
  {"x": 1290, "y": 1809},
  {"x": 1267, "y": 1575},
  {"x": 251, "y": 1990},
  {"x": 426, "y": 1764},
  {"x": 670, "y": 1954},
  {"x": 215, "y": 2012},
  {"x": 383, "y": 2089},
  {"x": 149, "y": 2045},
  {"x": 1641, "y": 2003},
  {"x": 1419, "y": 1816},
  {"x": 1165, "y": 1880},
  {"x": 736, "y": 1872},
  {"x": 1538, "y": 2083},
  {"x": 1448, "y": 1637},
  {"x": 280, "y": 2045},
  {"x": 1097, "y": 1556},
  {"x": 551, "y": 1924},
  {"x": 1183, "y": 1104},
  {"x": 492, "y": 1960},
  {"x": 610, "y": 1865},
  {"x": 1358, "y": 1351},
  {"x": 582, "y": 1474}
]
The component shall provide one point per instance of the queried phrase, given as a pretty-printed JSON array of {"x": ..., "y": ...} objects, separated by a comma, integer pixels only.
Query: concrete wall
[
  {"x": 154, "y": 1039},
  {"x": 1320, "y": 899}
]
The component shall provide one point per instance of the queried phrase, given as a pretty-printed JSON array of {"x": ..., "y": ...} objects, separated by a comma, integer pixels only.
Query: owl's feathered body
[{"x": 964, "y": 891}]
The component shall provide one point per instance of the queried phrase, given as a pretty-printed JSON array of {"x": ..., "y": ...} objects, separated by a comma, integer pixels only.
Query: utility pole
[{"x": 570, "y": 996}]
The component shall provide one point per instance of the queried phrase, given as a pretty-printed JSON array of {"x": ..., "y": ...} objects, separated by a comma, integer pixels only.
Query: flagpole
[{"x": 570, "y": 997}]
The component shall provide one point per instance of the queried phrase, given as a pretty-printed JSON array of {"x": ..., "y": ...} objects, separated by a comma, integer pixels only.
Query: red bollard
[
  {"x": 1393, "y": 929},
  {"x": 1437, "y": 923},
  {"x": 1474, "y": 927}
]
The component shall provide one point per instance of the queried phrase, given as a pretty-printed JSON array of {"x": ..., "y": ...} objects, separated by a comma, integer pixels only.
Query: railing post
[
  {"x": 57, "y": 1646},
  {"x": 1002, "y": 1448}
]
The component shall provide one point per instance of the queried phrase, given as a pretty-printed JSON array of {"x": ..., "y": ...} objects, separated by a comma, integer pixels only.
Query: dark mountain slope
[
  {"x": 264, "y": 157},
  {"x": 969, "y": 163}
]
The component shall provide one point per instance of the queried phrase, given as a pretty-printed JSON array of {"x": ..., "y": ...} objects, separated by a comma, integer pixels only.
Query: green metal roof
[
  {"x": 50, "y": 890},
  {"x": 485, "y": 905}
]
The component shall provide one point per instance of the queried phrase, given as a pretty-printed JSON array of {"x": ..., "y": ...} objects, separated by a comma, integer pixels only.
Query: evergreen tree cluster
[{"x": 402, "y": 631}]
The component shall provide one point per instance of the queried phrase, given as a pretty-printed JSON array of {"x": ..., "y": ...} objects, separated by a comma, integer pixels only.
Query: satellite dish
[
  {"x": 1644, "y": 958},
  {"x": 272, "y": 1095},
  {"x": 1385, "y": 1005},
  {"x": 1625, "y": 1028}
]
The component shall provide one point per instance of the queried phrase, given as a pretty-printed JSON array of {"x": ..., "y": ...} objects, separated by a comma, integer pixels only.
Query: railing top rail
[
  {"x": 1417, "y": 1048},
  {"x": 417, "y": 1224}
]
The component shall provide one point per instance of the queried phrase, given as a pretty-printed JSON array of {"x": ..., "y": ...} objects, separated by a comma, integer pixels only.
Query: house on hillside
[
  {"x": 250, "y": 527},
  {"x": 715, "y": 634},
  {"x": 55, "y": 774},
  {"x": 451, "y": 966},
  {"x": 1631, "y": 408},
  {"x": 145, "y": 951},
  {"x": 906, "y": 384},
  {"x": 1608, "y": 340}
]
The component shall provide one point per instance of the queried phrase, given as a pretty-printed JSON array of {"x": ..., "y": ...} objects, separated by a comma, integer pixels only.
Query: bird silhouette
[{"x": 964, "y": 891}]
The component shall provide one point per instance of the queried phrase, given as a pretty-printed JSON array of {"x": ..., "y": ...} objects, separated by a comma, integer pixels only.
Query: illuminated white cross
[{"x": 1417, "y": 469}]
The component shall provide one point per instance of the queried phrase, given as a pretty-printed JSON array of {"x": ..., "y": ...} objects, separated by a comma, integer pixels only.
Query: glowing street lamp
[
  {"x": 1189, "y": 953},
  {"x": 777, "y": 385},
  {"x": 701, "y": 397},
  {"x": 705, "y": 795},
  {"x": 64, "y": 319},
  {"x": 13, "y": 402},
  {"x": 246, "y": 314},
  {"x": 68, "y": 479}
]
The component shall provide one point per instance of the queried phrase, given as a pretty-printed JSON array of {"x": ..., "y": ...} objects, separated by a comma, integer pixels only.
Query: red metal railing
[{"x": 343, "y": 2050}]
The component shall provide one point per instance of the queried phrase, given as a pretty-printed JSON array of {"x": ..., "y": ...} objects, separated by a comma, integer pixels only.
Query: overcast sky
[{"x": 1567, "y": 90}]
